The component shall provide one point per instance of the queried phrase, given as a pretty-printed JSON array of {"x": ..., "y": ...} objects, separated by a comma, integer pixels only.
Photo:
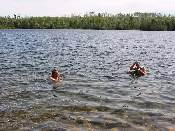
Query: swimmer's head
[{"x": 55, "y": 73}]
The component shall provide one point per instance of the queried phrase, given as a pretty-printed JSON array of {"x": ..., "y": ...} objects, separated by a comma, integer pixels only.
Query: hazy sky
[{"x": 68, "y": 7}]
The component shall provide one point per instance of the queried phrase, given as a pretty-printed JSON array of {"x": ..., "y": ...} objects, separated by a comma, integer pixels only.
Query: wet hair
[
  {"x": 137, "y": 63},
  {"x": 55, "y": 73}
]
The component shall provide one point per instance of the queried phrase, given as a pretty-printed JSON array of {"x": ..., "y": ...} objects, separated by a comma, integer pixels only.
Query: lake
[{"x": 97, "y": 93}]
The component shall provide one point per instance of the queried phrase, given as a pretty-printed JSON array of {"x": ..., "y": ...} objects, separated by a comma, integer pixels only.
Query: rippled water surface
[{"x": 96, "y": 93}]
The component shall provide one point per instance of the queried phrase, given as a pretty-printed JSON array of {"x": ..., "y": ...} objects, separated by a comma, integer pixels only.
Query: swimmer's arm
[{"x": 56, "y": 80}]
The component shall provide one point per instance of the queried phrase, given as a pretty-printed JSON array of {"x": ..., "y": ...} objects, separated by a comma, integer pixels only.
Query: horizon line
[{"x": 85, "y": 13}]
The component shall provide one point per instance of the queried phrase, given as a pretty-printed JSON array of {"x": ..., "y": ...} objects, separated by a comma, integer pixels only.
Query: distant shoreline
[{"x": 100, "y": 21}]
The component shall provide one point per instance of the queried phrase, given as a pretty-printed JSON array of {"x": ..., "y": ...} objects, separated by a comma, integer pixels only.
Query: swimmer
[
  {"x": 135, "y": 66},
  {"x": 137, "y": 70},
  {"x": 56, "y": 76}
]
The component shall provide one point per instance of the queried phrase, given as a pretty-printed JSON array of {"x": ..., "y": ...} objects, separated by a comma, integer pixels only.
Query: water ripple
[{"x": 96, "y": 92}]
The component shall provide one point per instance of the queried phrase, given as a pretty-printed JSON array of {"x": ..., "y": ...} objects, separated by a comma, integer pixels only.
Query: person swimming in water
[
  {"x": 55, "y": 76},
  {"x": 137, "y": 70},
  {"x": 135, "y": 66}
]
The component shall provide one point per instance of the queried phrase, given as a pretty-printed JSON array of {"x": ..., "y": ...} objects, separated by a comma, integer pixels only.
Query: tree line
[{"x": 99, "y": 21}]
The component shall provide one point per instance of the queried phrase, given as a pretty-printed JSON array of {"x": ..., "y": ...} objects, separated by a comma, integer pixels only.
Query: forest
[{"x": 92, "y": 20}]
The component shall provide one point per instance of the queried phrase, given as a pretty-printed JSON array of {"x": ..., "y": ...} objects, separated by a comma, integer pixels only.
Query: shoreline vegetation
[{"x": 99, "y": 21}]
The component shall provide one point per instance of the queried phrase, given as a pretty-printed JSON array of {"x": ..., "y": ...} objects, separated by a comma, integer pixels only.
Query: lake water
[{"x": 96, "y": 93}]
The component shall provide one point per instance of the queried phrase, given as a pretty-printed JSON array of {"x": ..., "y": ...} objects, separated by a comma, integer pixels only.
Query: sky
[{"x": 80, "y": 7}]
